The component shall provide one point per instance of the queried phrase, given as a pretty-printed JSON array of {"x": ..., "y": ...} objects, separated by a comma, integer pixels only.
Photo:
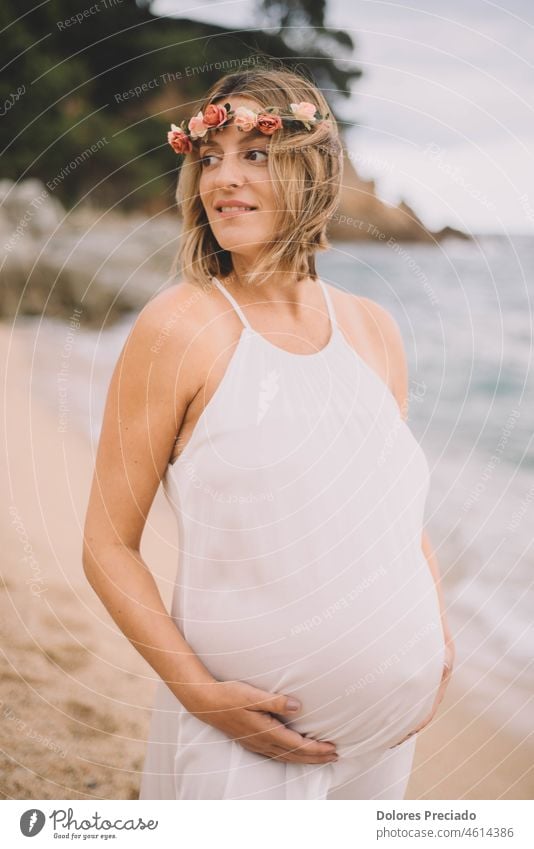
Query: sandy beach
[{"x": 75, "y": 696}]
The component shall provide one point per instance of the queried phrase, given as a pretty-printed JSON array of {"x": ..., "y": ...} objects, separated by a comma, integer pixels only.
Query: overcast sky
[{"x": 445, "y": 105}]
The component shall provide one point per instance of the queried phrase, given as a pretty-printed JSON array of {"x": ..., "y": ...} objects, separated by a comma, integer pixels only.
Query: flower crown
[{"x": 267, "y": 121}]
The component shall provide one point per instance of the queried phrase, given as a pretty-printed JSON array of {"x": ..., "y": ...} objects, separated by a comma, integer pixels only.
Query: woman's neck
[{"x": 275, "y": 289}]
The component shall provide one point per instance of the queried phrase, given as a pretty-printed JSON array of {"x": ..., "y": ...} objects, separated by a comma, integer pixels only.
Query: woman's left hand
[{"x": 448, "y": 664}]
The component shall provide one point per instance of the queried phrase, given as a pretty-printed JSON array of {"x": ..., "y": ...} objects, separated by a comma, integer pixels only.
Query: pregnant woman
[{"x": 306, "y": 643}]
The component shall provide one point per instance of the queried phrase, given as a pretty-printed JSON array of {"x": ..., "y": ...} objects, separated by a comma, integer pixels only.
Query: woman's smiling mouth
[
  {"x": 227, "y": 211},
  {"x": 233, "y": 206}
]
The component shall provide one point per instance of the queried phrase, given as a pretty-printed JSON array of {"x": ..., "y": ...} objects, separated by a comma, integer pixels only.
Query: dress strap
[
  {"x": 239, "y": 311},
  {"x": 233, "y": 301},
  {"x": 329, "y": 305}
]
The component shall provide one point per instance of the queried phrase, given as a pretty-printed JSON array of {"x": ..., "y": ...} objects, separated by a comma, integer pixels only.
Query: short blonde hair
[{"x": 305, "y": 167}]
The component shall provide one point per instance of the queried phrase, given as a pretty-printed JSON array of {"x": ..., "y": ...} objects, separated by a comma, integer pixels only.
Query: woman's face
[{"x": 234, "y": 168}]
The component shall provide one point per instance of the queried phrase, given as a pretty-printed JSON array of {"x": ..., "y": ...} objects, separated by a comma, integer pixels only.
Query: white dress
[{"x": 300, "y": 501}]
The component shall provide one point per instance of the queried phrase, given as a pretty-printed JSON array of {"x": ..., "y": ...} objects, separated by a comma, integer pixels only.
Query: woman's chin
[
  {"x": 231, "y": 231},
  {"x": 247, "y": 251}
]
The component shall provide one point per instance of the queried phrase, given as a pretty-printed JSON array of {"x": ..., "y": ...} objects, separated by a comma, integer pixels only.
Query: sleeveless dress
[{"x": 300, "y": 502}]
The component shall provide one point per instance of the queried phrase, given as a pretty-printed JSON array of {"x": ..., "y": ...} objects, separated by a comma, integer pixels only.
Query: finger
[
  {"x": 274, "y": 733},
  {"x": 262, "y": 700},
  {"x": 404, "y": 739},
  {"x": 282, "y": 750},
  {"x": 308, "y": 759},
  {"x": 296, "y": 757},
  {"x": 274, "y": 703},
  {"x": 398, "y": 744},
  {"x": 306, "y": 754},
  {"x": 292, "y": 741},
  {"x": 280, "y": 754}
]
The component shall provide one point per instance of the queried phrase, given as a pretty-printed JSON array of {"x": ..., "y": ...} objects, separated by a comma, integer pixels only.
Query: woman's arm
[{"x": 150, "y": 389}]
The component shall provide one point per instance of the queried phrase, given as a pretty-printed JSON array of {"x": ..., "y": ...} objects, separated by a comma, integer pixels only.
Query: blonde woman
[{"x": 307, "y": 642}]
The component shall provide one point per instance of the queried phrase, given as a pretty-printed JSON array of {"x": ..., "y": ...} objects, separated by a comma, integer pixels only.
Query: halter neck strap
[
  {"x": 329, "y": 305},
  {"x": 233, "y": 301},
  {"x": 245, "y": 321}
]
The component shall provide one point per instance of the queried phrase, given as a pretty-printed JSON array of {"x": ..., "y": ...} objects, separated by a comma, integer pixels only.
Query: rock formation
[{"x": 105, "y": 263}]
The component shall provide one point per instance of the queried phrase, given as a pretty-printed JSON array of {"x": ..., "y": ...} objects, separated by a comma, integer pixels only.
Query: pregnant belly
[{"x": 366, "y": 664}]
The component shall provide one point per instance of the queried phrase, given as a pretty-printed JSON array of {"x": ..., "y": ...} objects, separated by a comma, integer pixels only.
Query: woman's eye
[
  {"x": 264, "y": 152},
  {"x": 204, "y": 160}
]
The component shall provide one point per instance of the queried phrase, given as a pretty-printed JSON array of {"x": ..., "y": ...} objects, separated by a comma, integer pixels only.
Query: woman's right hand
[{"x": 244, "y": 713}]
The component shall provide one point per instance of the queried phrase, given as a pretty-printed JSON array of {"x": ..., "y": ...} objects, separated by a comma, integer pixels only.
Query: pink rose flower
[
  {"x": 197, "y": 126},
  {"x": 178, "y": 140},
  {"x": 214, "y": 115},
  {"x": 244, "y": 119},
  {"x": 268, "y": 124},
  {"x": 304, "y": 111}
]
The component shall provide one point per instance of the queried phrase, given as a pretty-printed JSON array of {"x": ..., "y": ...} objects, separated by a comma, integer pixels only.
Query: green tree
[{"x": 111, "y": 75}]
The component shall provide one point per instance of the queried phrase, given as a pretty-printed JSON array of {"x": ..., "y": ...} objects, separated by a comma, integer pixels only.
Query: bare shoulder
[
  {"x": 376, "y": 335},
  {"x": 170, "y": 330},
  {"x": 176, "y": 311},
  {"x": 382, "y": 325}
]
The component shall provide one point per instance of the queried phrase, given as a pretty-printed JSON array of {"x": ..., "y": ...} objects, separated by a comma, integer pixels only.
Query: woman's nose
[{"x": 229, "y": 170}]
